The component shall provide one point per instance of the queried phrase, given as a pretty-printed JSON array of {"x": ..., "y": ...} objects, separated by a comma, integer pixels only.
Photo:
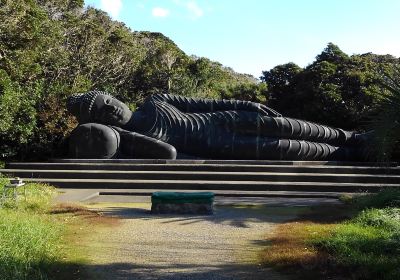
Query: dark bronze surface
[{"x": 221, "y": 129}]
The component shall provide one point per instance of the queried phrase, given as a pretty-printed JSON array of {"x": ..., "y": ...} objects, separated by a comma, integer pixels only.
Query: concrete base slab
[
  {"x": 75, "y": 195},
  {"x": 89, "y": 196}
]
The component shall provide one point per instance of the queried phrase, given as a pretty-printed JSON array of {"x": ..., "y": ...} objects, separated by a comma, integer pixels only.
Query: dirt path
[{"x": 223, "y": 246}]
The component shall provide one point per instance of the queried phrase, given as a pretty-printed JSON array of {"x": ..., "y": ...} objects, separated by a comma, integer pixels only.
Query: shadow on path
[
  {"x": 235, "y": 215},
  {"x": 120, "y": 271}
]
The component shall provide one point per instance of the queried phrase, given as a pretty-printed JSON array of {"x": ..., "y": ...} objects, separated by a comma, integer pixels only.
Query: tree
[
  {"x": 281, "y": 81},
  {"x": 333, "y": 54},
  {"x": 250, "y": 92},
  {"x": 386, "y": 124},
  {"x": 335, "y": 89}
]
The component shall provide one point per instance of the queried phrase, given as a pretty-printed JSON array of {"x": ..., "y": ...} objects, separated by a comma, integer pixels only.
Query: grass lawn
[
  {"x": 357, "y": 241},
  {"x": 39, "y": 240}
]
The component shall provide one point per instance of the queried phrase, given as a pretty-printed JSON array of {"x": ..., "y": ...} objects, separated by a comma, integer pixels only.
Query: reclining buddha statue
[{"x": 167, "y": 125}]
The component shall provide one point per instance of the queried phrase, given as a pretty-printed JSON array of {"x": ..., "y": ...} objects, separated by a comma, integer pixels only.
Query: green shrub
[
  {"x": 387, "y": 219},
  {"x": 386, "y": 198}
]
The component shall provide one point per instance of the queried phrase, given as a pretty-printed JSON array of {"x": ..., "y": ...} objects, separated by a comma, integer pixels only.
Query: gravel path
[{"x": 223, "y": 246}]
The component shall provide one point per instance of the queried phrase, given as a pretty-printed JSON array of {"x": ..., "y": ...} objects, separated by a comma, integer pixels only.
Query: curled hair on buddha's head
[{"x": 81, "y": 104}]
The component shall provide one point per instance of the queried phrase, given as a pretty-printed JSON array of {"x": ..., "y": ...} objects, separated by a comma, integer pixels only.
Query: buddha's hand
[{"x": 136, "y": 145}]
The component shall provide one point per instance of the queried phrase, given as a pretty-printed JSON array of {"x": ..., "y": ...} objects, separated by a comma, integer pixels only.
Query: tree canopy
[{"x": 335, "y": 89}]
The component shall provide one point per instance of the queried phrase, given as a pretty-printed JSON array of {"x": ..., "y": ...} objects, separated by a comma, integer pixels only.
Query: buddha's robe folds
[{"x": 237, "y": 130}]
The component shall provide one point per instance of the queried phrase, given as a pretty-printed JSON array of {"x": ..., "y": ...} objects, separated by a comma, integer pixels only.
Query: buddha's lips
[{"x": 117, "y": 112}]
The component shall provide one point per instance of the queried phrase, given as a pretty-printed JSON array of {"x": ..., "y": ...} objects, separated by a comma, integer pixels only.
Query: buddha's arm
[
  {"x": 140, "y": 146},
  {"x": 196, "y": 105}
]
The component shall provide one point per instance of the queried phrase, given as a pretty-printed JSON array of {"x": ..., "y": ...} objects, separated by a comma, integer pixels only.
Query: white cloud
[
  {"x": 159, "y": 12},
  {"x": 113, "y": 7},
  {"x": 189, "y": 7},
  {"x": 194, "y": 9}
]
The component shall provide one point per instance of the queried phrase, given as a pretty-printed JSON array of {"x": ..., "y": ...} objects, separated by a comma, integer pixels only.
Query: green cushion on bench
[{"x": 182, "y": 197}]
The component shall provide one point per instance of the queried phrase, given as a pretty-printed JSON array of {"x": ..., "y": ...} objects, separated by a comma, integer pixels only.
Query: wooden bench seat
[{"x": 182, "y": 203}]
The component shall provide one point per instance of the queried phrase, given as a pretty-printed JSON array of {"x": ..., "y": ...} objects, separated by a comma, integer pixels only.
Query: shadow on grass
[{"x": 327, "y": 214}]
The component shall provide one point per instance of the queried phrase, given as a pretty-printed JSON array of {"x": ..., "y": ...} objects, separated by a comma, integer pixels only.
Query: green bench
[{"x": 182, "y": 203}]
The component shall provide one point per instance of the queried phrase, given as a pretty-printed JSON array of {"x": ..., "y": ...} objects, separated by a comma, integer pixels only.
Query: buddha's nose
[{"x": 111, "y": 107}]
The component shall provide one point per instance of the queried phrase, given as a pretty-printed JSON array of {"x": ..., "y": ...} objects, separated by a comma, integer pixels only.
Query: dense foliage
[
  {"x": 386, "y": 125},
  {"x": 336, "y": 89},
  {"x": 50, "y": 49}
]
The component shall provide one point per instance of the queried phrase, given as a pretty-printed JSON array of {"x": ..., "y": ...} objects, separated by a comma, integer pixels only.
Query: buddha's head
[
  {"x": 100, "y": 107},
  {"x": 93, "y": 140}
]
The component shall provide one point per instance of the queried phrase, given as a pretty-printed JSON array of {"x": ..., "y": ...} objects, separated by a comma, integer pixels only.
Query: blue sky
[{"x": 255, "y": 35}]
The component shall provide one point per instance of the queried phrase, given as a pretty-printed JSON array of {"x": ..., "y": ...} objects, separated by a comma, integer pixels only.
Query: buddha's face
[
  {"x": 108, "y": 110},
  {"x": 93, "y": 140}
]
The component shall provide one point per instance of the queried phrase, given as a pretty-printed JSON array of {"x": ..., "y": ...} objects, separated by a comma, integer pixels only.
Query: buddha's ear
[
  {"x": 73, "y": 104},
  {"x": 80, "y": 105}
]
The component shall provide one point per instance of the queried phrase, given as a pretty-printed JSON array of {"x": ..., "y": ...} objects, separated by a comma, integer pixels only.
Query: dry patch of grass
[
  {"x": 82, "y": 226},
  {"x": 357, "y": 241},
  {"x": 63, "y": 208},
  {"x": 290, "y": 247},
  {"x": 290, "y": 250},
  {"x": 90, "y": 217}
]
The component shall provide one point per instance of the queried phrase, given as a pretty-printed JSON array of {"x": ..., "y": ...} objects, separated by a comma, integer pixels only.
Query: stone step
[
  {"x": 331, "y": 169},
  {"x": 214, "y": 185},
  {"x": 204, "y": 176},
  {"x": 223, "y": 162},
  {"x": 228, "y": 197},
  {"x": 250, "y": 177},
  {"x": 225, "y": 193}
]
